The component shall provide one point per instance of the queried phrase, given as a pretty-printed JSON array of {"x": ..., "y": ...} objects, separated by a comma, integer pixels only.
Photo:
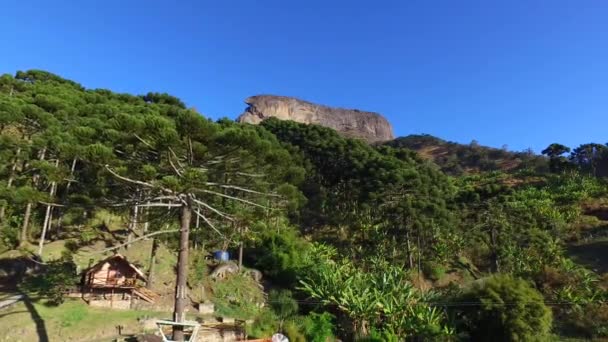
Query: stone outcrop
[{"x": 353, "y": 123}]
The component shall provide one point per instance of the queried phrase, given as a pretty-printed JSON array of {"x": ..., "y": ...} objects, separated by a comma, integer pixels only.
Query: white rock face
[{"x": 353, "y": 123}]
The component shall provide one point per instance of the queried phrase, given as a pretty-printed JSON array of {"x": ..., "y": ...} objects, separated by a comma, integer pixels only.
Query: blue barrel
[{"x": 221, "y": 255}]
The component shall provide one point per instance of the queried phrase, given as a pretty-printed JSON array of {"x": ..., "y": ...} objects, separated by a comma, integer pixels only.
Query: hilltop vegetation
[
  {"x": 457, "y": 159},
  {"x": 359, "y": 241}
]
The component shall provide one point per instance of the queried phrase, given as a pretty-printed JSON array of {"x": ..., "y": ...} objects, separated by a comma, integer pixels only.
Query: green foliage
[
  {"x": 318, "y": 327},
  {"x": 380, "y": 197},
  {"x": 198, "y": 268},
  {"x": 380, "y": 297},
  {"x": 433, "y": 270},
  {"x": 280, "y": 255},
  {"x": 56, "y": 278},
  {"x": 283, "y": 304},
  {"x": 506, "y": 308},
  {"x": 237, "y": 296},
  {"x": 292, "y": 330},
  {"x": 265, "y": 325}
]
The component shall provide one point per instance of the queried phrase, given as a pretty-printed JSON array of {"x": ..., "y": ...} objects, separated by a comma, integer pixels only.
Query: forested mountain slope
[{"x": 355, "y": 240}]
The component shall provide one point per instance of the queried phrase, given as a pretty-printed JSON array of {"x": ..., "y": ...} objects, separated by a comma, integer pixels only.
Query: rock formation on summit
[{"x": 351, "y": 122}]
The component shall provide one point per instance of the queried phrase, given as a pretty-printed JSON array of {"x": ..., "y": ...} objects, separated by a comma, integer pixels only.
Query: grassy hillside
[{"x": 457, "y": 159}]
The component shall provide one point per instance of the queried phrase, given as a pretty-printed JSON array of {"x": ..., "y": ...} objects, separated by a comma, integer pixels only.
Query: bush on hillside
[
  {"x": 318, "y": 327},
  {"x": 507, "y": 308}
]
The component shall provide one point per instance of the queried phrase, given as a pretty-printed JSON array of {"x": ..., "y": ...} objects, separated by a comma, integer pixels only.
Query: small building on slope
[{"x": 115, "y": 283}]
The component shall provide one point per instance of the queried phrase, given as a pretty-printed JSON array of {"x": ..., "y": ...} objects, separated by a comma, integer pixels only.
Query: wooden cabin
[{"x": 115, "y": 283}]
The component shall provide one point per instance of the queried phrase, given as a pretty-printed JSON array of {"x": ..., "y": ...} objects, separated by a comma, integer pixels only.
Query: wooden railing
[{"x": 112, "y": 282}]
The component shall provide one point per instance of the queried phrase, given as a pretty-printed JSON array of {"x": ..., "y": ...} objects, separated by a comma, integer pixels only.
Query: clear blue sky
[{"x": 522, "y": 73}]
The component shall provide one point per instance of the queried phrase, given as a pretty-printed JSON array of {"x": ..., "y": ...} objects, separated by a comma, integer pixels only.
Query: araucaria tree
[{"x": 202, "y": 170}]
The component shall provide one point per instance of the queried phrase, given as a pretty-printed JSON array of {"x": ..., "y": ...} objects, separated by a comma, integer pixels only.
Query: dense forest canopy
[{"x": 372, "y": 241}]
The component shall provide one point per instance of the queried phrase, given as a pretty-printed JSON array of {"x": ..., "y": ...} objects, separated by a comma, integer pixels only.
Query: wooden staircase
[{"x": 145, "y": 294}]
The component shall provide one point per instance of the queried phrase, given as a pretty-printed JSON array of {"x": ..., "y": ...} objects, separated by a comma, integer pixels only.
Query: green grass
[{"x": 71, "y": 321}]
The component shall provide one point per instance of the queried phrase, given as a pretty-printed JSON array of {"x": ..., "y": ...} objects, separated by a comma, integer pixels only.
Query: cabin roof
[{"x": 121, "y": 259}]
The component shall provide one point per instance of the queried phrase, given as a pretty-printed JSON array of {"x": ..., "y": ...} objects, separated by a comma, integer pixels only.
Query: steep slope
[{"x": 353, "y": 123}]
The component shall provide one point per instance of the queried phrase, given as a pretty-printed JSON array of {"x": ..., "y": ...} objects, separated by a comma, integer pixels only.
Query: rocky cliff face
[{"x": 351, "y": 122}]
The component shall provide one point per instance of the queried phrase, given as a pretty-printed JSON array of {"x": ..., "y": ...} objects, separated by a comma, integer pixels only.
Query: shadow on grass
[
  {"x": 593, "y": 255},
  {"x": 38, "y": 321}
]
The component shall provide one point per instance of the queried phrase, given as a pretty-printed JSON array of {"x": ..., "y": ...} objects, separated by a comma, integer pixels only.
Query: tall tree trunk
[
  {"x": 26, "y": 220},
  {"x": 419, "y": 263},
  {"x": 132, "y": 225},
  {"x": 11, "y": 179},
  {"x": 410, "y": 255},
  {"x": 494, "y": 243},
  {"x": 28, "y": 207},
  {"x": 47, "y": 216},
  {"x": 72, "y": 168},
  {"x": 147, "y": 218},
  {"x": 65, "y": 196},
  {"x": 151, "y": 269},
  {"x": 181, "y": 287},
  {"x": 240, "y": 247}
]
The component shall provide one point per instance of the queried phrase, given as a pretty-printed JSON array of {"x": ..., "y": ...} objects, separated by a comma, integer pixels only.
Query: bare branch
[
  {"x": 234, "y": 198},
  {"x": 135, "y": 240},
  {"x": 197, "y": 212},
  {"x": 129, "y": 180},
  {"x": 257, "y": 175},
  {"x": 174, "y": 168},
  {"x": 160, "y": 198},
  {"x": 176, "y": 157},
  {"x": 51, "y": 204},
  {"x": 145, "y": 143},
  {"x": 160, "y": 204},
  {"x": 243, "y": 189},
  {"x": 226, "y": 216}
]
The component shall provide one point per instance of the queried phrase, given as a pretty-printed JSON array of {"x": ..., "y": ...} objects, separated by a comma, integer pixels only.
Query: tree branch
[
  {"x": 135, "y": 240},
  {"x": 51, "y": 204},
  {"x": 174, "y": 168},
  {"x": 146, "y": 143},
  {"x": 234, "y": 198},
  {"x": 242, "y": 189},
  {"x": 176, "y": 158},
  {"x": 166, "y": 205},
  {"x": 197, "y": 212},
  {"x": 226, "y": 216},
  {"x": 250, "y": 174},
  {"x": 129, "y": 180}
]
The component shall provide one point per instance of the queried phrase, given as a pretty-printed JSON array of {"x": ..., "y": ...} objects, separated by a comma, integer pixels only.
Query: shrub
[
  {"x": 318, "y": 327},
  {"x": 506, "y": 308},
  {"x": 433, "y": 270},
  {"x": 283, "y": 305},
  {"x": 292, "y": 331},
  {"x": 280, "y": 256},
  {"x": 265, "y": 325},
  {"x": 10, "y": 238}
]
